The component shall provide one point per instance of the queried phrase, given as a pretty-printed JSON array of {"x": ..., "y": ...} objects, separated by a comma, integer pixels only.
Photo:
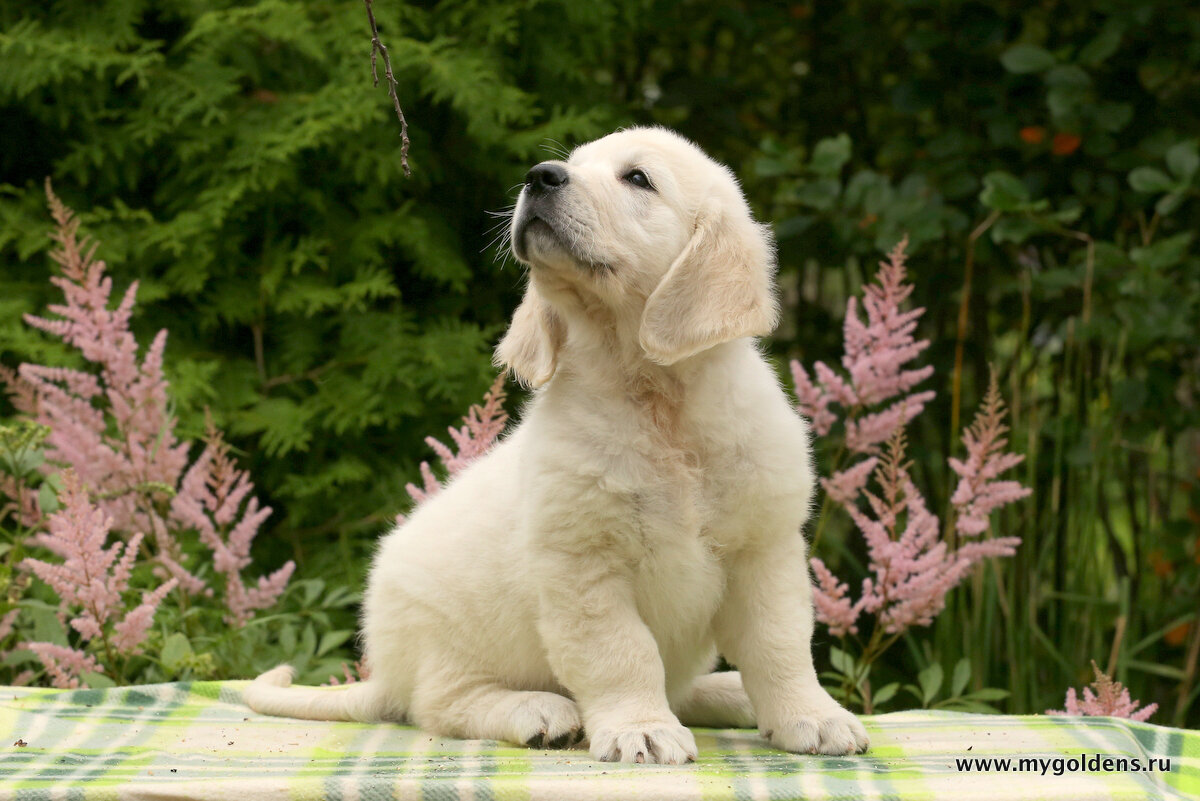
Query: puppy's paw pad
[
  {"x": 548, "y": 720},
  {"x": 659, "y": 744},
  {"x": 835, "y": 733}
]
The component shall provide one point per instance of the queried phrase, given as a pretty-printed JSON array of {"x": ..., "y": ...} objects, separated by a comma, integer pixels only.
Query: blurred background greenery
[{"x": 235, "y": 159}]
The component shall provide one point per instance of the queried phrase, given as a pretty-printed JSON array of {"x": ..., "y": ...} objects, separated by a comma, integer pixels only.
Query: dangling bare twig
[{"x": 378, "y": 47}]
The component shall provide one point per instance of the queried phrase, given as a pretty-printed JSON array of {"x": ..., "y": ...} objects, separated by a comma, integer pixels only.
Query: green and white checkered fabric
[{"x": 197, "y": 741}]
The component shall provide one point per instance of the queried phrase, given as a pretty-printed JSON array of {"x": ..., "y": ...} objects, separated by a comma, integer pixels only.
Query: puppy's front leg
[
  {"x": 764, "y": 626},
  {"x": 602, "y": 651}
]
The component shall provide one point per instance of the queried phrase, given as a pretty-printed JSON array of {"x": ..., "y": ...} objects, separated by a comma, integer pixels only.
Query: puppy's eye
[{"x": 638, "y": 179}]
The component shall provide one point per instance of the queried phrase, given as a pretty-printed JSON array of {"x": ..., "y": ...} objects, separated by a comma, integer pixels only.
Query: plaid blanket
[{"x": 197, "y": 741}]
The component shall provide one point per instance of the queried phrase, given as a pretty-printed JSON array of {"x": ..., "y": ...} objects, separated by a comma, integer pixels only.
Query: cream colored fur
[{"x": 645, "y": 515}]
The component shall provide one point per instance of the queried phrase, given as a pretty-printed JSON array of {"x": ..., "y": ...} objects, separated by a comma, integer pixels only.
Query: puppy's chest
[{"x": 702, "y": 471}]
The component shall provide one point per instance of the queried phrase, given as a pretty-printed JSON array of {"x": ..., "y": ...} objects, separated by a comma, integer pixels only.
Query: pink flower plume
[
  {"x": 1109, "y": 699},
  {"x": 481, "y": 429},
  {"x": 64, "y": 665},
  {"x": 911, "y": 567},
  {"x": 979, "y": 493}
]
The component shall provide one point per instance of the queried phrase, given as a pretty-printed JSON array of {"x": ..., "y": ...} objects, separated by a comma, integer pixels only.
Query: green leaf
[
  {"x": 1103, "y": 46},
  {"x": 886, "y": 693},
  {"x": 332, "y": 639},
  {"x": 1112, "y": 117},
  {"x": 1183, "y": 160},
  {"x": 841, "y": 661},
  {"x": 830, "y": 155},
  {"x": 177, "y": 649},
  {"x": 930, "y": 680},
  {"x": 1150, "y": 179},
  {"x": 820, "y": 194},
  {"x": 46, "y": 626},
  {"x": 47, "y": 498},
  {"x": 1166, "y": 671},
  {"x": 1003, "y": 191},
  {"x": 1068, "y": 215},
  {"x": 1014, "y": 229},
  {"x": 1168, "y": 203},
  {"x": 965, "y": 704},
  {"x": 312, "y": 591},
  {"x": 308, "y": 640},
  {"x": 987, "y": 694},
  {"x": 287, "y": 639},
  {"x": 1025, "y": 58},
  {"x": 97, "y": 681},
  {"x": 1163, "y": 254},
  {"x": 1068, "y": 76},
  {"x": 962, "y": 674}
]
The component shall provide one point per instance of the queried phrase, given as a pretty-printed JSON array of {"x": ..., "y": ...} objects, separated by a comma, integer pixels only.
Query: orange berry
[
  {"x": 1033, "y": 134},
  {"x": 1162, "y": 568},
  {"x": 1065, "y": 144}
]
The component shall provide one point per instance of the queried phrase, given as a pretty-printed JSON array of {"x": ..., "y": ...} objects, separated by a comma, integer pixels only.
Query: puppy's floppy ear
[
  {"x": 719, "y": 288},
  {"x": 530, "y": 347}
]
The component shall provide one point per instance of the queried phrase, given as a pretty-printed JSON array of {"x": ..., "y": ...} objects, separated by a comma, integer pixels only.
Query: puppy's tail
[{"x": 272, "y": 693}]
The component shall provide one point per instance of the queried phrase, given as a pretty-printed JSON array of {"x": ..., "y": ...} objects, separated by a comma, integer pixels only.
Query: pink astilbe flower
[
  {"x": 814, "y": 400},
  {"x": 111, "y": 427},
  {"x": 352, "y": 673},
  {"x": 7, "y": 622},
  {"x": 877, "y": 349},
  {"x": 912, "y": 567},
  {"x": 866, "y": 433},
  {"x": 128, "y": 634},
  {"x": 212, "y": 500},
  {"x": 91, "y": 579},
  {"x": 979, "y": 493},
  {"x": 832, "y": 601},
  {"x": 23, "y": 504},
  {"x": 1110, "y": 699},
  {"x": 64, "y": 665},
  {"x": 91, "y": 582},
  {"x": 875, "y": 353},
  {"x": 482, "y": 427},
  {"x": 844, "y": 486}
]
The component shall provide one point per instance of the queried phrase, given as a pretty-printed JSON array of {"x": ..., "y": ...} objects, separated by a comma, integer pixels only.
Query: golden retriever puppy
[{"x": 645, "y": 515}]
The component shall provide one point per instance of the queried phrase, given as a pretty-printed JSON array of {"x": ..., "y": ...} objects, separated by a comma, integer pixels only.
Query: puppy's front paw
[
  {"x": 548, "y": 720},
  {"x": 662, "y": 743},
  {"x": 831, "y": 731}
]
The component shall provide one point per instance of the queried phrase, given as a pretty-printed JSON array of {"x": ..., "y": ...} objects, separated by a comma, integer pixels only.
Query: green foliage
[
  {"x": 236, "y": 160},
  {"x": 1043, "y": 164}
]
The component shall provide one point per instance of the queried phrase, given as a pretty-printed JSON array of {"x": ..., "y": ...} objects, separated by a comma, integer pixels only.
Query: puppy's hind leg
[
  {"x": 717, "y": 700},
  {"x": 480, "y": 709}
]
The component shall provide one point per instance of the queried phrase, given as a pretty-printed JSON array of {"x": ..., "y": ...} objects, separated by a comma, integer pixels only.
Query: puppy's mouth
[
  {"x": 533, "y": 227},
  {"x": 534, "y": 235}
]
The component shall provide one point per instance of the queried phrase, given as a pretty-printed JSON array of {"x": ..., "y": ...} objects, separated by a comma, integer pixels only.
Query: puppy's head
[{"x": 642, "y": 228}]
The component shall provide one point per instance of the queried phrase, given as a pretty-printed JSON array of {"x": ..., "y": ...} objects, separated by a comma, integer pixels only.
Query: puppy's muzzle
[
  {"x": 540, "y": 199},
  {"x": 544, "y": 178}
]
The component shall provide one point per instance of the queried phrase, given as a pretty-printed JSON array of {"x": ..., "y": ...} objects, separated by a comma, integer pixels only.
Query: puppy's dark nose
[{"x": 544, "y": 177}]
